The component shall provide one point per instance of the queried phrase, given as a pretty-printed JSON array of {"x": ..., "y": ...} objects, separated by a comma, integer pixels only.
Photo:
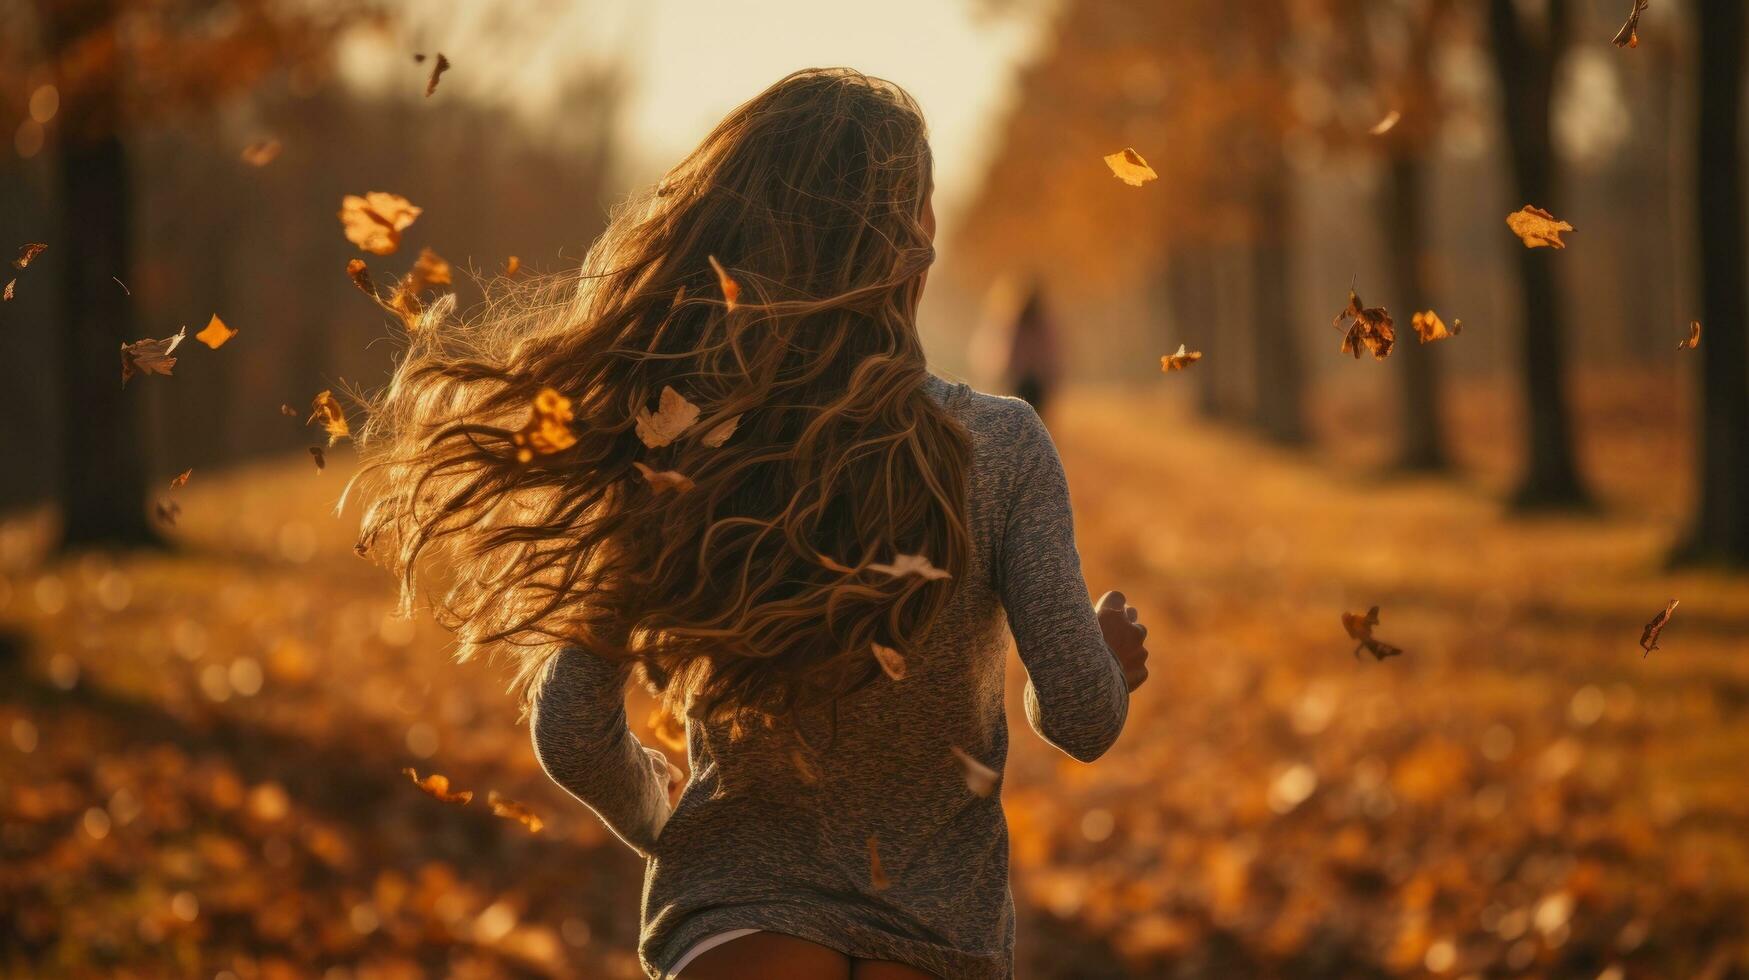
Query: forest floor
[{"x": 201, "y": 751}]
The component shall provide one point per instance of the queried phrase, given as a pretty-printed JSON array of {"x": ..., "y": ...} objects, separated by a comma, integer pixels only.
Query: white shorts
[{"x": 702, "y": 946}]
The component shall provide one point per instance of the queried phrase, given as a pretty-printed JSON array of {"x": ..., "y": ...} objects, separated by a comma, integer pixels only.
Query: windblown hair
[{"x": 749, "y": 594}]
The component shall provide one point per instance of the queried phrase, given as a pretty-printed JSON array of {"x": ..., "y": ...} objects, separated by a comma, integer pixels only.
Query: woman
[{"x": 717, "y": 460}]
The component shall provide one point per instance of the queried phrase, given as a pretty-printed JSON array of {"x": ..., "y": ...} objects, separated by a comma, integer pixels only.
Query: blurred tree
[
  {"x": 1525, "y": 65},
  {"x": 1721, "y": 530},
  {"x": 113, "y": 64}
]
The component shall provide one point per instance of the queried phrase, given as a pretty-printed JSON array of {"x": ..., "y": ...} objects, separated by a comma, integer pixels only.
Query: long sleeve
[
  {"x": 583, "y": 742},
  {"x": 1076, "y": 698}
]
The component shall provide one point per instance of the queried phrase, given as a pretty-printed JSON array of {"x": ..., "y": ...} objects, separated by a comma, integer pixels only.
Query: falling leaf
[
  {"x": 375, "y": 221},
  {"x": 721, "y": 432},
  {"x": 285, "y": 409},
  {"x": 512, "y": 266},
  {"x": 980, "y": 779},
  {"x": 1693, "y": 339},
  {"x": 1129, "y": 167},
  {"x": 1386, "y": 124},
  {"x": 549, "y": 427},
  {"x": 261, "y": 152},
  {"x": 892, "y": 661},
  {"x": 1649, "y": 635},
  {"x": 150, "y": 356},
  {"x": 215, "y": 333},
  {"x": 673, "y": 415},
  {"x": 1360, "y": 629},
  {"x": 181, "y": 479},
  {"x": 167, "y": 511},
  {"x": 805, "y": 769},
  {"x": 1369, "y": 327},
  {"x": 436, "y": 785},
  {"x": 1537, "y": 228},
  {"x": 731, "y": 288},
  {"x": 1629, "y": 35},
  {"x": 326, "y": 409},
  {"x": 359, "y": 273},
  {"x": 1429, "y": 327},
  {"x": 669, "y": 730},
  {"x": 509, "y": 809},
  {"x": 910, "y": 565},
  {"x": 321, "y": 458},
  {"x": 10, "y": 287},
  {"x": 877, "y": 876},
  {"x": 437, "y": 70},
  {"x": 27, "y": 252},
  {"x": 1179, "y": 361},
  {"x": 429, "y": 270},
  {"x": 419, "y": 57},
  {"x": 664, "y": 480}
]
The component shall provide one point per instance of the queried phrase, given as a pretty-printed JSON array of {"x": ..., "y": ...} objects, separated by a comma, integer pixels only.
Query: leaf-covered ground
[{"x": 201, "y": 752}]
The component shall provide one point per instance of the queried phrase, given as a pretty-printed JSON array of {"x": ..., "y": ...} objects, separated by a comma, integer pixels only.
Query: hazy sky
[{"x": 691, "y": 61}]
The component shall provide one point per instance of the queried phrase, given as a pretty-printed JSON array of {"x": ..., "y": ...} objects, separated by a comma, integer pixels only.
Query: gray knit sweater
[{"x": 754, "y": 844}]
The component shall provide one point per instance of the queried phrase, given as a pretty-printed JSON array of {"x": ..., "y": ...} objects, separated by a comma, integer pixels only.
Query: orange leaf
[
  {"x": 548, "y": 429},
  {"x": 512, "y": 266},
  {"x": 11, "y": 286},
  {"x": 1128, "y": 166},
  {"x": 892, "y": 661},
  {"x": 509, "y": 809},
  {"x": 731, "y": 288},
  {"x": 359, "y": 273},
  {"x": 1693, "y": 339},
  {"x": 375, "y": 221},
  {"x": 216, "y": 333},
  {"x": 664, "y": 480},
  {"x": 181, "y": 479},
  {"x": 27, "y": 252},
  {"x": 1537, "y": 228},
  {"x": 436, "y": 785},
  {"x": 326, "y": 409},
  {"x": 1429, "y": 327},
  {"x": 1181, "y": 360}
]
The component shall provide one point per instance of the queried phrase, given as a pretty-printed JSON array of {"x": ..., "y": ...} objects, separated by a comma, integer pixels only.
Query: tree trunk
[
  {"x": 1526, "y": 74},
  {"x": 1275, "y": 352},
  {"x": 1422, "y": 447},
  {"x": 103, "y": 473},
  {"x": 1721, "y": 530}
]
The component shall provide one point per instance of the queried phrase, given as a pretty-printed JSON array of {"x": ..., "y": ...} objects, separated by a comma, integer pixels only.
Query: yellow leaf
[
  {"x": 891, "y": 660},
  {"x": 548, "y": 429},
  {"x": 375, "y": 221},
  {"x": 673, "y": 415},
  {"x": 1537, "y": 228},
  {"x": 1429, "y": 327},
  {"x": 325, "y": 408},
  {"x": 1129, "y": 167},
  {"x": 1181, "y": 360},
  {"x": 429, "y": 270},
  {"x": 216, "y": 333}
]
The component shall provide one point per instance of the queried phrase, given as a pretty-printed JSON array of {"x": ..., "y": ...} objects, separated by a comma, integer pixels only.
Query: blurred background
[{"x": 207, "y": 701}]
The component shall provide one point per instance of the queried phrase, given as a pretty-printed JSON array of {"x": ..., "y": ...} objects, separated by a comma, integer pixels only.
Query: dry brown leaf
[
  {"x": 181, "y": 479},
  {"x": 910, "y": 565},
  {"x": 1649, "y": 635},
  {"x": 429, "y": 270},
  {"x": 548, "y": 429},
  {"x": 721, "y": 432},
  {"x": 1179, "y": 361},
  {"x": 673, "y": 416},
  {"x": 11, "y": 286},
  {"x": 662, "y": 481},
  {"x": 150, "y": 356},
  {"x": 980, "y": 779},
  {"x": 359, "y": 273},
  {"x": 877, "y": 876},
  {"x": 436, "y": 785},
  {"x": 215, "y": 333},
  {"x": 437, "y": 70},
  {"x": 1369, "y": 327},
  {"x": 1360, "y": 629},
  {"x": 1629, "y": 35},
  {"x": 731, "y": 288},
  {"x": 1537, "y": 228},
  {"x": 375, "y": 221},
  {"x": 1128, "y": 166},
  {"x": 891, "y": 660},
  {"x": 167, "y": 511},
  {"x": 325, "y": 408},
  {"x": 509, "y": 809},
  {"x": 261, "y": 152},
  {"x": 28, "y": 252},
  {"x": 1429, "y": 327},
  {"x": 1388, "y": 123},
  {"x": 321, "y": 458},
  {"x": 1693, "y": 339}
]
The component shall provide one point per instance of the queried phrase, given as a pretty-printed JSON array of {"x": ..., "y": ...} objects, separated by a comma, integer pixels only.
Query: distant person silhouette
[{"x": 1016, "y": 347}]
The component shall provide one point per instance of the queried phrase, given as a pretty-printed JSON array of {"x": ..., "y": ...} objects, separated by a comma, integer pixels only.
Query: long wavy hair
[{"x": 750, "y": 592}]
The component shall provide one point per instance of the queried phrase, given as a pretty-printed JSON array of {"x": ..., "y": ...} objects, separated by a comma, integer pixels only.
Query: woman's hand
[{"x": 1124, "y": 635}]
